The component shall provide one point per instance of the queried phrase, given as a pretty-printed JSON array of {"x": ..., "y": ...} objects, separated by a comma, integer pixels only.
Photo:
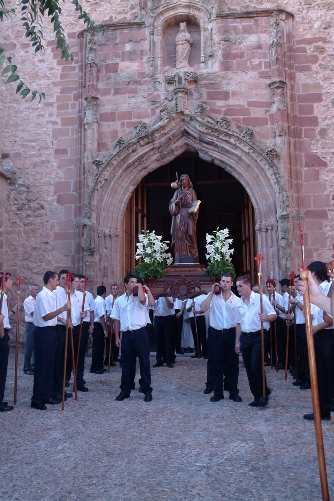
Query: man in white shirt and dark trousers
[
  {"x": 163, "y": 312},
  {"x": 4, "y": 345},
  {"x": 248, "y": 320},
  {"x": 130, "y": 315},
  {"x": 198, "y": 329},
  {"x": 29, "y": 306},
  {"x": 100, "y": 332},
  {"x": 221, "y": 339},
  {"x": 87, "y": 327},
  {"x": 45, "y": 341}
]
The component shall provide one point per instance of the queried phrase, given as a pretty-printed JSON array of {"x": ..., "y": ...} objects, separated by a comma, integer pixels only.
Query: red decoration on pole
[
  {"x": 102, "y": 283},
  {"x": 292, "y": 278},
  {"x": 19, "y": 279},
  {"x": 259, "y": 258},
  {"x": 3, "y": 280},
  {"x": 69, "y": 276},
  {"x": 85, "y": 281}
]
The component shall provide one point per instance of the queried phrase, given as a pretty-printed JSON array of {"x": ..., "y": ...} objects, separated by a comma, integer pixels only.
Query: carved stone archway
[{"x": 148, "y": 148}]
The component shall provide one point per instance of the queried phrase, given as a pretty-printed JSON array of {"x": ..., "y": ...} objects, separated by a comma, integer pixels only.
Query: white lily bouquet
[
  {"x": 218, "y": 253},
  {"x": 152, "y": 252}
]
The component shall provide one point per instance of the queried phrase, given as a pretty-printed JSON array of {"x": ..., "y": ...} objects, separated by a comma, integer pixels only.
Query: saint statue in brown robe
[{"x": 184, "y": 209}]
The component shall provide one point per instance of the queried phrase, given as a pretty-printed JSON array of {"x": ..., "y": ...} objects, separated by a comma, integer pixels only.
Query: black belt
[
  {"x": 135, "y": 330},
  {"x": 256, "y": 333},
  {"x": 224, "y": 330}
]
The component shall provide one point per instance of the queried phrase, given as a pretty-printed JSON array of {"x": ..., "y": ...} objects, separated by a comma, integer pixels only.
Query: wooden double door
[{"x": 224, "y": 204}]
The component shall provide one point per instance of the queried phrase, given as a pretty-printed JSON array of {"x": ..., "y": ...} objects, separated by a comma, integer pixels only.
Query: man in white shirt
[
  {"x": 110, "y": 300},
  {"x": 277, "y": 301},
  {"x": 4, "y": 343},
  {"x": 100, "y": 332},
  {"x": 87, "y": 327},
  {"x": 194, "y": 308},
  {"x": 29, "y": 306},
  {"x": 163, "y": 311},
  {"x": 323, "y": 335},
  {"x": 130, "y": 315},
  {"x": 248, "y": 318},
  {"x": 45, "y": 341},
  {"x": 221, "y": 339}
]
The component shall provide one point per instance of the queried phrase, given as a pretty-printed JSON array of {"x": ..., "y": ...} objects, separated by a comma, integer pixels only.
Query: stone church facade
[{"x": 254, "y": 96}]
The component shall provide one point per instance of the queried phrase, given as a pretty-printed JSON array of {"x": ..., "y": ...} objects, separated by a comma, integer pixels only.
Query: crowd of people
[{"x": 220, "y": 326}]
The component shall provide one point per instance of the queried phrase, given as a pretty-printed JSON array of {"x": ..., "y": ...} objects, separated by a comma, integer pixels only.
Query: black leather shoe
[
  {"x": 82, "y": 388},
  {"x": 216, "y": 399},
  {"x": 180, "y": 351},
  {"x": 53, "y": 401},
  {"x": 100, "y": 372},
  {"x": 140, "y": 389},
  {"x": 297, "y": 383},
  {"x": 207, "y": 391},
  {"x": 254, "y": 403},
  {"x": 235, "y": 398},
  {"x": 5, "y": 408},
  {"x": 262, "y": 402},
  {"x": 4, "y": 403},
  {"x": 122, "y": 396},
  {"x": 305, "y": 386},
  {"x": 68, "y": 394},
  {"x": 148, "y": 397},
  {"x": 170, "y": 366},
  {"x": 158, "y": 364},
  {"x": 324, "y": 417},
  {"x": 40, "y": 407}
]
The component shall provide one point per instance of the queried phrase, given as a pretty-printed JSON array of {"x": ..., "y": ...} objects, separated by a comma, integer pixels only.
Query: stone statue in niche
[
  {"x": 183, "y": 42},
  {"x": 184, "y": 209}
]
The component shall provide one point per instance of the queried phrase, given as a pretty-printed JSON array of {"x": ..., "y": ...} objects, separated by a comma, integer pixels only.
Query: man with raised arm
[{"x": 248, "y": 320}]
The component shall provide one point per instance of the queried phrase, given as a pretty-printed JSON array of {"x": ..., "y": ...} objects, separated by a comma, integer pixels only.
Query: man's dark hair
[
  {"x": 254, "y": 285},
  {"x": 63, "y": 272},
  {"x": 81, "y": 276},
  {"x": 127, "y": 278},
  {"x": 73, "y": 276},
  {"x": 140, "y": 281},
  {"x": 232, "y": 277},
  {"x": 284, "y": 281},
  {"x": 320, "y": 270},
  {"x": 48, "y": 275},
  {"x": 101, "y": 290},
  {"x": 244, "y": 279}
]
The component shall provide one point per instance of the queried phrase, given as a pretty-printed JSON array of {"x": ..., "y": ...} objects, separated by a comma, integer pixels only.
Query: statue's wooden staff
[
  {"x": 313, "y": 376},
  {"x": 18, "y": 279},
  {"x": 110, "y": 354},
  {"x": 292, "y": 281},
  {"x": 259, "y": 258},
  {"x": 68, "y": 293},
  {"x": 2, "y": 292},
  {"x": 80, "y": 331}
]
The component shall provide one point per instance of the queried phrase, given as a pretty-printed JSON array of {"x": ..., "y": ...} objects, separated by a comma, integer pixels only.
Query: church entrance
[{"x": 224, "y": 204}]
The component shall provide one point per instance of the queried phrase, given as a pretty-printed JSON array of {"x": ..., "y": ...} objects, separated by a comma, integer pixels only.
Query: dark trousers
[
  {"x": 281, "y": 340},
  {"x": 4, "y": 352},
  {"x": 177, "y": 331},
  {"x": 135, "y": 344},
  {"x": 114, "y": 349},
  {"x": 28, "y": 363},
  {"x": 210, "y": 380},
  {"x": 250, "y": 345},
  {"x": 324, "y": 356},
  {"x": 163, "y": 335},
  {"x": 83, "y": 347},
  {"x": 225, "y": 361},
  {"x": 45, "y": 346},
  {"x": 304, "y": 368},
  {"x": 272, "y": 344},
  {"x": 201, "y": 329},
  {"x": 97, "y": 348},
  {"x": 60, "y": 331}
]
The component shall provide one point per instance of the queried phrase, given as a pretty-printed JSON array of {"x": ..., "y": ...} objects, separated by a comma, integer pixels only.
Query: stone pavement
[{"x": 180, "y": 446}]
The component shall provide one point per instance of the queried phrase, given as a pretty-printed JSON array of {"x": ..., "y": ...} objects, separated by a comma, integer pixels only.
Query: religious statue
[
  {"x": 183, "y": 42},
  {"x": 184, "y": 209}
]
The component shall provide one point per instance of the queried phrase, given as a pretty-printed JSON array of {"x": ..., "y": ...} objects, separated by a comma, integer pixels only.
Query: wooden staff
[
  {"x": 295, "y": 336},
  {"x": 80, "y": 328},
  {"x": 18, "y": 279},
  {"x": 110, "y": 354},
  {"x": 75, "y": 388},
  {"x": 292, "y": 280},
  {"x": 313, "y": 376},
  {"x": 259, "y": 258},
  {"x": 68, "y": 292}
]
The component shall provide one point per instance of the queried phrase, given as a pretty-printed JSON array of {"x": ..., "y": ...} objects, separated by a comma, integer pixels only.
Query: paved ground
[{"x": 180, "y": 446}]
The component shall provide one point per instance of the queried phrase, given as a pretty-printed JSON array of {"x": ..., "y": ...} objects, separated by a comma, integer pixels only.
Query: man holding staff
[
  {"x": 29, "y": 306},
  {"x": 7, "y": 283},
  {"x": 45, "y": 341},
  {"x": 248, "y": 320},
  {"x": 87, "y": 327}
]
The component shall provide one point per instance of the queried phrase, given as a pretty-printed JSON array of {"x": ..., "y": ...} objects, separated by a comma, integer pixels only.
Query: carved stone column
[
  {"x": 268, "y": 247},
  {"x": 91, "y": 131}
]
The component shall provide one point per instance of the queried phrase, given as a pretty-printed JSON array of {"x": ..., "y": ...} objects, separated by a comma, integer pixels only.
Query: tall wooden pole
[{"x": 259, "y": 258}]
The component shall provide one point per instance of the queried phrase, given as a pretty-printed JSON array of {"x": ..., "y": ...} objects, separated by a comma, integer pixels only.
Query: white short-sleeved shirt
[
  {"x": 317, "y": 313},
  {"x": 90, "y": 305},
  {"x": 29, "y": 306},
  {"x": 76, "y": 306},
  {"x": 45, "y": 303},
  {"x": 61, "y": 299},
  {"x": 109, "y": 303},
  {"x": 221, "y": 312},
  {"x": 247, "y": 315},
  {"x": 130, "y": 312},
  {"x": 177, "y": 304},
  {"x": 100, "y": 309},
  {"x": 161, "y": 309},
  {"x": 281, "y": 302},
  {"x": 198, "y": 300},
  {"x": 300, "y": 319},
  {"x": 4, "y": 311}
]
